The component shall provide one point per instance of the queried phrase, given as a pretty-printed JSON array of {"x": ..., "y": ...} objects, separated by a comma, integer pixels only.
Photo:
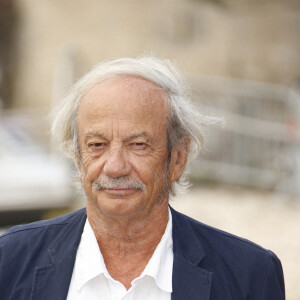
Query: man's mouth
[{"x": 119, "y": 191}]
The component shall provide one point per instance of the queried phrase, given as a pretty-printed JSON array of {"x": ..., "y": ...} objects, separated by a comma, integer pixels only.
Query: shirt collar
[
  {"x": 90, "y": 263},
  {"x": 160, "y": 265},
  {"x": 89, "y": 260}
]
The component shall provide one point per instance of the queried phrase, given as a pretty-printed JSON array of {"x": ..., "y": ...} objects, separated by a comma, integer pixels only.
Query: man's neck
[{"x": 128, "y": 243}]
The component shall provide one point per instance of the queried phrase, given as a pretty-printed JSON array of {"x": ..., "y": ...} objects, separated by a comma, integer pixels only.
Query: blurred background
[{"x": 242, "y": 60}]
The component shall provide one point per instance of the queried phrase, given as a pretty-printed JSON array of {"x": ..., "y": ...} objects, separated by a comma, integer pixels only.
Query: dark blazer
[{"x": 36, "y": 262}]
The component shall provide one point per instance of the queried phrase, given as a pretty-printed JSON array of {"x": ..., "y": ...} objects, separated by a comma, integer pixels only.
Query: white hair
[{"x": 184, "y": 120}]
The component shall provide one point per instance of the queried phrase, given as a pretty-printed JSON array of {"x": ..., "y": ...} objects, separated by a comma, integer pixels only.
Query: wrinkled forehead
[
  {"x": 148, "y": 91},
  {"x": 124, "y": 98}
]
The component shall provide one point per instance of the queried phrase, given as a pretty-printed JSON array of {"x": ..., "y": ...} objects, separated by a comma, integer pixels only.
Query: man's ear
[{"x": 179, "y": 157}]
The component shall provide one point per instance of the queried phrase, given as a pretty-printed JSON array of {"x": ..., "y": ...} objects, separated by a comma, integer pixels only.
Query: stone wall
[{"x": 256, "y": 40}]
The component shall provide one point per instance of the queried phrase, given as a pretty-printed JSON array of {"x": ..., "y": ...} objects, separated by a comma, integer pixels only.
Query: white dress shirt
[{"x": 91, "y": 280}]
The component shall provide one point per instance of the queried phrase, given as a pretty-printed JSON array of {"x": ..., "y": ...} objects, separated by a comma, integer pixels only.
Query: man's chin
[{"x": 117, "y": 204}]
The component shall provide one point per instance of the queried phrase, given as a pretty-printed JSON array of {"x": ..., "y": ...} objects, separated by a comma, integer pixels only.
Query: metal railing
[{"x": 259, "y": 144}]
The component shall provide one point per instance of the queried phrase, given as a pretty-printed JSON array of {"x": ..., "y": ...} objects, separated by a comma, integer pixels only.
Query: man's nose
[{"x": 116, "y": 164}]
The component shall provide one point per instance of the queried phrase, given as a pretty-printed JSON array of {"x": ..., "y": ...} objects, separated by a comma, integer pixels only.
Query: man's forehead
[
  {"x": 147, "y": 91},
  {"x": 123, "y": 95},
  {"x": 124, "y": 101}
]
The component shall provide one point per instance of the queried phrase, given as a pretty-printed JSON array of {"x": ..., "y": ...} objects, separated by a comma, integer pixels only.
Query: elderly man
[{"x": 130, "y": 129}]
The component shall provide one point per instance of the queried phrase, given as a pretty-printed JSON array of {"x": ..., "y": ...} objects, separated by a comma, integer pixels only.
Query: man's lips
[{"x": 119, "y": 192}]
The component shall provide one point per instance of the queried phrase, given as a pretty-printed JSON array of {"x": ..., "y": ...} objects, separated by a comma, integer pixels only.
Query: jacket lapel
[
  {"x": 52, "y": 281},
  {"x": 190, "y": 281}
]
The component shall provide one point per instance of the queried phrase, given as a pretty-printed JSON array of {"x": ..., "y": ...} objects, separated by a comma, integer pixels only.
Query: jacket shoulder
[
  {"x": 24, "y": 249},
  {"x": 27, "y": 229},
  {"x": 237, "y": 263},
  {"x": 222, "y": 237}
]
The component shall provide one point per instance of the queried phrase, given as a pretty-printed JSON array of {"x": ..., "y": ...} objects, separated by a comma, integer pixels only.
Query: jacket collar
[{"x": 190, "y": 281}]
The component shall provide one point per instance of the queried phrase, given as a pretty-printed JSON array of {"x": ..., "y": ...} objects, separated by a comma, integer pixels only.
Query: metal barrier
[{"x": 259, "y": 143}]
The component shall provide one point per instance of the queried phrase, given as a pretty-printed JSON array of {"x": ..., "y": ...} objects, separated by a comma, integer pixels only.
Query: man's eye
[
  {"x": 139, "y": 146},
  {"x": 96, "y": 146}
]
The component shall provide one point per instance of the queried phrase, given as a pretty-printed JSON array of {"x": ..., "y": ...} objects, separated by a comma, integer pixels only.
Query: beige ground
[{"x": 272, "y": 221}]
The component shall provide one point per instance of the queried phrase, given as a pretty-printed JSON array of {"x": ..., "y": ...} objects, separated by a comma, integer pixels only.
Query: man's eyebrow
[
  {"x": 131, "y": 137},
  {"x": 97, "y": 135},
  {"x": 138, "y": 135}
]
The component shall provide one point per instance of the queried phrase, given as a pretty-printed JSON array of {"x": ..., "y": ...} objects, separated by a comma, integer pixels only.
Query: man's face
[{"x": 123, "y": 152}]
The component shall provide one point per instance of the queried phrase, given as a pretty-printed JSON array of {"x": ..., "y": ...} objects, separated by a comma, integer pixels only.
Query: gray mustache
[{"x": 122, "y": 182}]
